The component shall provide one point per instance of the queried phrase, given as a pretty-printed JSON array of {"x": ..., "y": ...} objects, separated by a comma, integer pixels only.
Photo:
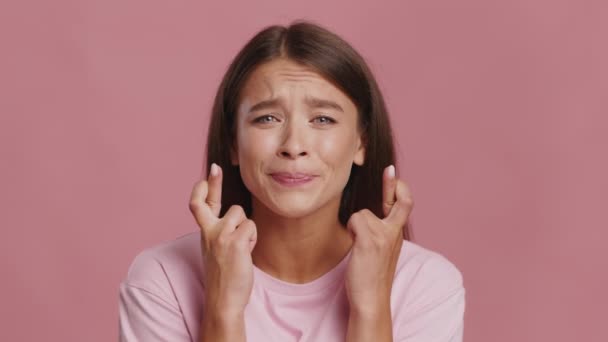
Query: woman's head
[{"x": 299, "y": 99}]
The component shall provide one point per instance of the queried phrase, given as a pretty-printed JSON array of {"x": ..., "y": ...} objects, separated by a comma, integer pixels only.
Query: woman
[{"x": 302, "y": 216}]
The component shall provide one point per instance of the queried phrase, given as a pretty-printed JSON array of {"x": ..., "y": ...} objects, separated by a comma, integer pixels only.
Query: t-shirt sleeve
[
  {"x": 147, "y": 311},
  {"x": 435, "y": 304}
]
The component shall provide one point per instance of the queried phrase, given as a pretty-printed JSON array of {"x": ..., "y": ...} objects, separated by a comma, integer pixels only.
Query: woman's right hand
[{"x": 226, "y": 245}]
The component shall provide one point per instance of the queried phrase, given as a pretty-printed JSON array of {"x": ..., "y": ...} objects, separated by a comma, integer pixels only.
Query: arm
[
  {"x": 371, "y": 269},
  {"x": 226, "y": 254}
]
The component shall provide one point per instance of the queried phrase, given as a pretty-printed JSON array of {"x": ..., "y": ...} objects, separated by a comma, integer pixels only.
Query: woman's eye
[
  {"x": 265, "y": 119},
  {"x": 325, "y": 120}
]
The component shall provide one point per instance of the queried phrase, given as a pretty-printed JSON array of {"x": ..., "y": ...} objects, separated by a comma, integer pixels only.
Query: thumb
[{"x": 246, "y": 234}]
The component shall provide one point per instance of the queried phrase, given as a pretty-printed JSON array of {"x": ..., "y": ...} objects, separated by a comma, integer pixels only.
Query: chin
[{"x": 292, "y": 210}]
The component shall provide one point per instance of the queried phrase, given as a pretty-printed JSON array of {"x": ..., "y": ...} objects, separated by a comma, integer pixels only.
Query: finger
[
  {"x": 234, "y": 217},
  {"x": 214, "y": 197},
  {"x": 388, "y": 189},
  {"x": 371, "y": 220},
  {"x": 402, "y": 207},
  {"x": 246, "y": 234},
  {"x": 358, "y": 226},
  {"x": 202, "y": 213}
]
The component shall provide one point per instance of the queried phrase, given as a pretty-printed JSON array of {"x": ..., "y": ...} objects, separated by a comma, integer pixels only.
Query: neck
[{"x": 299, "y": 250}]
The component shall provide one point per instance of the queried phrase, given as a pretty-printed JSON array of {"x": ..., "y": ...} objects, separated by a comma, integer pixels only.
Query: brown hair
[{"x": 333, "y": 58}]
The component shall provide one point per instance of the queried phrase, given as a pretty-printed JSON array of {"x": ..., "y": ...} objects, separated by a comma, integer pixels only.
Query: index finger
[{"x": 199, "y": 208}]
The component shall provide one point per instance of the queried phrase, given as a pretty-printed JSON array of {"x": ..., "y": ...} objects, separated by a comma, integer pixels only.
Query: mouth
[{"x": 292, "y": 179}]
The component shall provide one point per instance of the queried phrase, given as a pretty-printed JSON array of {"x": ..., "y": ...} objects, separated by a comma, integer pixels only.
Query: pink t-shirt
[{"x": 162, "y": 299}]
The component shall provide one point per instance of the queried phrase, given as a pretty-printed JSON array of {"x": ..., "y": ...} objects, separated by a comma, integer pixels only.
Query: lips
[
  {"x": 292, "y": 179},
  {"x": 294, "y": 176}
]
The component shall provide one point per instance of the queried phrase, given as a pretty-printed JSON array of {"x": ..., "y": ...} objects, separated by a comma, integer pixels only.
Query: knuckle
[
  {"x": 248, "y": 223},
  {"x": 408, "y": 201},
  {"x": 193, "y": 206},
  {"x": 221, "y": 241},
  {"x": 366, "y": 212},
  {"x": 355, "y": 218},
  {"x": 237, "y": 210}
]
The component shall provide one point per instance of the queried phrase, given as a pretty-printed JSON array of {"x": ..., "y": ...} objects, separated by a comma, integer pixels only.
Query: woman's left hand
[{"x": 377, "y": 244}]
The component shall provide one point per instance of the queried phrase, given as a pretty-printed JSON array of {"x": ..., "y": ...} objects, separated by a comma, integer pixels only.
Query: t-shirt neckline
[{"x": 324, "y": 281}]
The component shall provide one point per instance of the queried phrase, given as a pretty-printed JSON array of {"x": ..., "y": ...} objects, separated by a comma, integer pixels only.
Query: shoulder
[
  {"x": 156, "y": 268},
  {"x": 428, "y": 298},
  {"x": 427, "y": 263},
  {"x": 160, "y": 295},
  {"x": 423, "y": 275}
]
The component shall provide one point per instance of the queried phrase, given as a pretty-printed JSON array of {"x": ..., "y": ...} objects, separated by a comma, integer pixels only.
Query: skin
[{"x": 294, "y": 233}]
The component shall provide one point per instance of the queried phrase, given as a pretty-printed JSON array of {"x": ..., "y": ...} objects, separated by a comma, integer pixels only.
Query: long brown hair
[{"x": 333, "y": 58}]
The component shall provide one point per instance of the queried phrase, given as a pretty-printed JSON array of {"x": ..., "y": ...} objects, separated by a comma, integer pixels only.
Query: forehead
[{"x": 281, "y": 77}]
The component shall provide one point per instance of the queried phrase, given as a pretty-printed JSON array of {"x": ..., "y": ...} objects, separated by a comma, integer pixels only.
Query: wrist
[
  {"x": 371, "y": 323},
  {"x": 223, "y": 316},
  {"x": 222, "y": 326},
  {"x": 370, "y": 313},
  {"x": 371, "y": 307}
]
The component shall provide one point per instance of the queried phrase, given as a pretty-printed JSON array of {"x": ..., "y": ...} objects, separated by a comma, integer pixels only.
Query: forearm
[
  {"x": 222, "y": 328},
  {"x": 370, "y": 325}
]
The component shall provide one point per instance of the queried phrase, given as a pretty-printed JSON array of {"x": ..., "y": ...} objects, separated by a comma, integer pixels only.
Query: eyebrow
[{"x": 312, "y": 102}]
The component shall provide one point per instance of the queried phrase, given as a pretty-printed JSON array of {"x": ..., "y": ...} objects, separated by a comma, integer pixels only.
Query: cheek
[
  {"x": 254, "y": 148},
  {"x": 337, "y": 149}
]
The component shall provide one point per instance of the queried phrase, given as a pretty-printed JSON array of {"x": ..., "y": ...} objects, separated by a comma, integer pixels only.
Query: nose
[{"x": 293, "y": 144}]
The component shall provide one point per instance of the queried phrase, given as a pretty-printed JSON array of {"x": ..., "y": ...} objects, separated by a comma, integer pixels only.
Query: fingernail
[
  {"x": 214, "y": 170},
  {"x": 391, "y": 171}
]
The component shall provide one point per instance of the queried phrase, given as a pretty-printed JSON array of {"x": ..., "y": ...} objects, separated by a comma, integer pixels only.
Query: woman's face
[{"x": 297, "y": 138}]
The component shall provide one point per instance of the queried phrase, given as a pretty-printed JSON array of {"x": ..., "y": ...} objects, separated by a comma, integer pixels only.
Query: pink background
[{"x": 500, "y": 111}]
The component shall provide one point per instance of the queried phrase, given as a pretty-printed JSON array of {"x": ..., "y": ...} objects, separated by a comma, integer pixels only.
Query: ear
[{"x": 360, "y": 153}]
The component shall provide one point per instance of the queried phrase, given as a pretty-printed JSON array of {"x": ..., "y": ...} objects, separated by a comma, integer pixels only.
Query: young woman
[{"x": 303, "y": 220}]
